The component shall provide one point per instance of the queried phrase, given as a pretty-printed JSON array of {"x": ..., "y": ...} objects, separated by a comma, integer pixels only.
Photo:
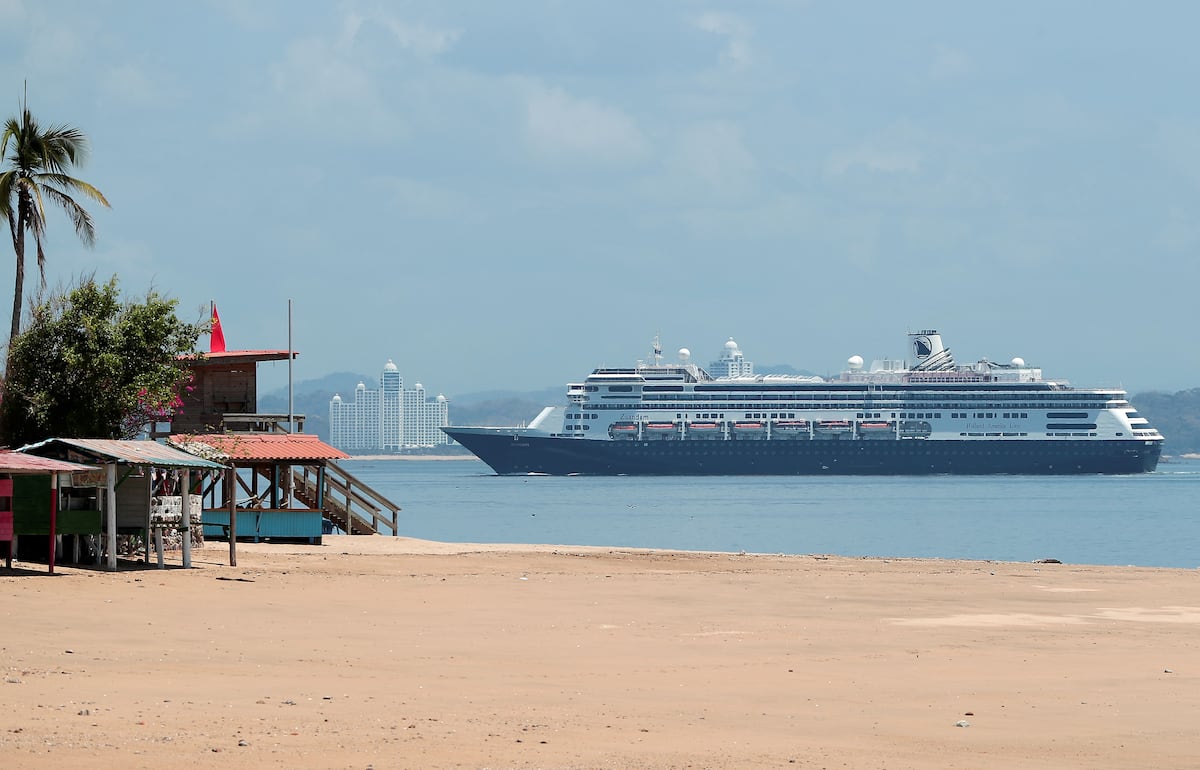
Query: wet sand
[{"x": 384, "y": 652}]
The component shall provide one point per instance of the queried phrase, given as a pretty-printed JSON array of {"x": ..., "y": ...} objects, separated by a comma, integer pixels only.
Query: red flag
[{"x": 216, "y": 339}]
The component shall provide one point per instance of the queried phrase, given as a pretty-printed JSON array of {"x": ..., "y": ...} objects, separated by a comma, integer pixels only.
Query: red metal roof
[
  {"x": 19, "y": 462},
  {"x": 258, "y": 446},
  {"x": 236, "y": 357}
]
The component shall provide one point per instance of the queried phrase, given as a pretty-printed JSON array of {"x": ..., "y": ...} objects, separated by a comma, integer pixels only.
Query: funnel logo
[{"x": 922, "y": 348}]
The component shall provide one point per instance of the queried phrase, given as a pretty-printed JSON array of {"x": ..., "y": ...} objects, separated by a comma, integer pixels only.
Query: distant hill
[
  {"x": 499, "y": 408},
  {"x": 1177, "y": 417},
  {"x": 311, "y": 398}
]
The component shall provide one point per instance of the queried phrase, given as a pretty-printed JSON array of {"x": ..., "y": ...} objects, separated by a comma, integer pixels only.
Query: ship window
[{"x": 620, "y": 388}]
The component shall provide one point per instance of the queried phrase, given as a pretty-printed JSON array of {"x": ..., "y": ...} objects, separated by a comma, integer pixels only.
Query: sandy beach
[{"x": 394, "y": 653}]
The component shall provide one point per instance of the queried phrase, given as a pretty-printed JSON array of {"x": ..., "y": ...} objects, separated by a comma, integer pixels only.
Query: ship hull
[{"x": 513, "y": 452}]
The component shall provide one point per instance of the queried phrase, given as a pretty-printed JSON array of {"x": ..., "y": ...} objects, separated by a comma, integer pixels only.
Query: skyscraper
[{"x": 390, "y": 419}]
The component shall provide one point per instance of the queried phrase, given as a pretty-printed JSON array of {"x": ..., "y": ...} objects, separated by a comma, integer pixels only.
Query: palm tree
[{"x": 36, "y": 170}]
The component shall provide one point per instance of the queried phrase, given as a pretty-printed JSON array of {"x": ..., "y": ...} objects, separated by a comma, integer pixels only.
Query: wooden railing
[
  {"x": 261, "y": 423},
  {"x": 350, "y": 503}
]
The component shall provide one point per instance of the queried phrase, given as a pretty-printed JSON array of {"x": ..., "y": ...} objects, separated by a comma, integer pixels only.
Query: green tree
[
  {"x": 36, "y": 170},
  {"x": 91, "y": 365}
]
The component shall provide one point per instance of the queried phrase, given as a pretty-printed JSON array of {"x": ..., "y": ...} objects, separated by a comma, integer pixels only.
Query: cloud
[
  {"x": 877, "y": 156},
  {"x": 560, "y": 125},
  {"x": 874, "y": 159},
  {"x": 736, "y": 32},
  {"x": 11, "y": 11},
  {"x": 420, "y": 39},
  {"x": 345, "y": 77},
  {"x": 714, "y": 155},
  {"x": 319, "y": 78},
  {"x": 1176, "y": 144},
  {"x": 949, "y": 65},
  {"x": 129, "y": 84}
]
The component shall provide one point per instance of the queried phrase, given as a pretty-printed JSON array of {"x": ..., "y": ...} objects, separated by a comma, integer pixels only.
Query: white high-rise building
[{"x": 390, "y": 419}]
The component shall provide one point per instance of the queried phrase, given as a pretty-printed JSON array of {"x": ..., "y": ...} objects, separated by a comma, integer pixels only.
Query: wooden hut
[
  {"x": 223, "y": 394},
  {"x": 128, "y": 493},
  {"x": 29, "y": 502},
  {"x": 279, "y": 489}
]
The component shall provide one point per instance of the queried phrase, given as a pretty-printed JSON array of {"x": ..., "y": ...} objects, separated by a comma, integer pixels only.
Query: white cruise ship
[{"x": 932, "y": 416}]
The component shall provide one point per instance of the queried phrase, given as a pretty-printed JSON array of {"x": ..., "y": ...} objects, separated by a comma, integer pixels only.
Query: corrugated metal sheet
[
  {"x": 259, "y": 446},
  {"x": 127, "y": 452},
  {"x": 236, "y": 356},
  {"x": 19, "y": 462}
]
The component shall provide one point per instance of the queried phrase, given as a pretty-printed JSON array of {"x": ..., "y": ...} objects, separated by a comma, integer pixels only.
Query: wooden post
[
  {"x": 231, "y": 492},
  {"x": 111, "y": 505},
  {"x": 53, "y": 518},
  {"x": 185, "y": 519}
]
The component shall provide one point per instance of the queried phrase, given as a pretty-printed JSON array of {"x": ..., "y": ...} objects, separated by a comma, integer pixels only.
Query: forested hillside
[{"x": 1176, "y": 415}]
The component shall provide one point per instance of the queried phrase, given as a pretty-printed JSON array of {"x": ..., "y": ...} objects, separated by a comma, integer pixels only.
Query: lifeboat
[
  {"x": 749, "y": 429},
  {"x": 833, "y": 426},
  {"x": 704, "y": 429},
  {"x": 789, "y": 429},
  {"x": 660, "y": 430},
  {"x": 875, "y": 429},
  {"x": 623, "y": 430}
]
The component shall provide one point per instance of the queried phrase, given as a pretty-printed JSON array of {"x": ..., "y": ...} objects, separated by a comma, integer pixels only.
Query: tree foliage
[
  {"x": 38, "y": 164},
  {"x": 91, "y": 365}
]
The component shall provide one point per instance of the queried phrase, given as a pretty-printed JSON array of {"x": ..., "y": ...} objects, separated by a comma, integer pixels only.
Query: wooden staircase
[{"x": 352, "y": 506}]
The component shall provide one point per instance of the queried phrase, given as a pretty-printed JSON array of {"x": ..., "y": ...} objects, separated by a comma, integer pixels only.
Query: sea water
[{"x": 1147, "y": 519}]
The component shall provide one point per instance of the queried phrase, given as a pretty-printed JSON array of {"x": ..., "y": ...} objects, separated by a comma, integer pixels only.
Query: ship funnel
[{"x": 931, "y": 355}]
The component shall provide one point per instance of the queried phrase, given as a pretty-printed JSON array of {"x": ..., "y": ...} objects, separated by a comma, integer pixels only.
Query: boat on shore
[{"x": 932, "y": 416}]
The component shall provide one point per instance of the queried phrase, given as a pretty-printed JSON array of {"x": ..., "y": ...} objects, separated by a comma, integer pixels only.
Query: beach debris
[
  {"x": 1168, "y": 671},
  {"x": 1046, "y": 561},
  {"x": 243, "y": 742},
  {"x": 962, "y": 723}
]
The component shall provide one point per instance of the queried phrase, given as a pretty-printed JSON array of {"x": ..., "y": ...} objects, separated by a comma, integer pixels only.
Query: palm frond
[
  {"x": 70, "y": 183},
  {"x": 82, "y": 220}
]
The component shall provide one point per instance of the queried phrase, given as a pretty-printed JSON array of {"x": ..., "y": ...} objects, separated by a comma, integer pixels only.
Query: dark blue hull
[{"x": 509, "y": 453}]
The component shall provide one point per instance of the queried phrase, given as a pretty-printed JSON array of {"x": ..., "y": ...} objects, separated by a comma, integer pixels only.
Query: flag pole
[{"x": 291, "y": 410}]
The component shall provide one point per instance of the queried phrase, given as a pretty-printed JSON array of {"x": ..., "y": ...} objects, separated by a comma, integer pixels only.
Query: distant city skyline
[
  {"x": 390, "y": 419},
  {"x": 511, "y": 194}
]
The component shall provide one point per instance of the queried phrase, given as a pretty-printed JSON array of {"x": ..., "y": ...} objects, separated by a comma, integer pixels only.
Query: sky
[{"x": 506, "y": 195}]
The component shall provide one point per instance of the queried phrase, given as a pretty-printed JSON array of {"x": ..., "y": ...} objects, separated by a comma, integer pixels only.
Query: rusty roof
[
  {"x": 236, "y": 356},
  {"x": 258, "y": 446},
  {"x": 15, "y": 462},
  {"x": 122, "y": 452}
]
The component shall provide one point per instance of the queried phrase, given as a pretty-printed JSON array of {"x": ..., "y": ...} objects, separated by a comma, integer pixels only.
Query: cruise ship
[{"x": 933, "y": 416}]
